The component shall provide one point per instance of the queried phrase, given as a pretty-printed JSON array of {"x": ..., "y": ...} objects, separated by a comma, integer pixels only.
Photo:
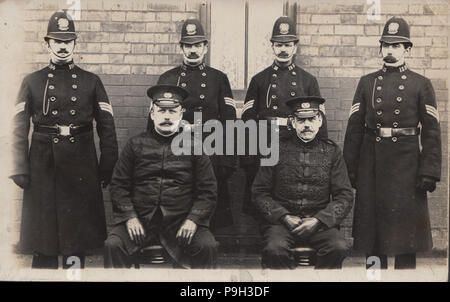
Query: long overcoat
[
  {"x": 391, "y": 213},
  {"x": 63, "y": 210}
]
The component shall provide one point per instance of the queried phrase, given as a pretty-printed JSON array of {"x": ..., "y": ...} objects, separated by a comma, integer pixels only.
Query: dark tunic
[
  {"x": 265, "y": 99},
  {"x": 63, "y": 209},
  {"x": 391, "y": 213},
  {"x": 209, "y": 93},
  {"x": 148, "y": 177},
  {"x": 310, "y": 180}
]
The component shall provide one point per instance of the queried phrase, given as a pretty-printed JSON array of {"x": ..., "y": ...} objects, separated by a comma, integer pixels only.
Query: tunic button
[
  {"x": 404, "y": 77},
  {"x": 71, "y": 139},
  {"x": 401, "y": 87},
  {"x": 274, "y": 96},
  {"x": 74, "y": 76},
  {"x": 183, "y": 74},
  {"x": 203, "y": 85},
  {"x": 394, "y": 139},
  {"x": 274, "y": 85},
  {"x": 202, "y": 96},
  {"x": 380, "y": 77},
  {"x": 378, "y": 88},
  {"x": 73, "y": 99},
  {"x": 50, "y": 75},
  {"x": 274, "y": 75},
  {"x": 204, "y": 74},
  {"x": 55, "y": 112},
  {"x": 74, "y": 86},
  {"x": 275, "y": 107},
  {"x": 378, "y": 125},
  {"x": 294, "y": 73},
  {"x": 294, "y": 83},
  {"x": 51, "y": 87},
  {"x": 292, "y": 93},
  {"x": 395, "y": 124},
  {"x": 378, "y": 139},
  {"x": 379, "y": 112},
  {"x": 384, "y": 69},
  {"x": 183, "y": 84},
  {"x": 55, "y": 140},
  {"x": 397, "y": 111},
  {"x": 378, "y": 100},
  {"x": 52, "y": 99},
  {"x": 72, "y": 112},
  {"x": 399, "y": 99}
]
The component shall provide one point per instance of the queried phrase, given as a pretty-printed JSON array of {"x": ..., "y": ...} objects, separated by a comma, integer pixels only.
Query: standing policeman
[
  {"x": 211, "y": 89},
  {"x": 270, "y": 88},
  {"x": 63, "y": 212},
  {"x": 393, "y": 112}
]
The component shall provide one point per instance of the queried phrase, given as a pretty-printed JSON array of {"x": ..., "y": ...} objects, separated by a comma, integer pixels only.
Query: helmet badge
[
  {"x": 393, "y": 28},
  {"x": 284, "y": 28},
  {"x": 63, "y": 24},
  {"x": 191, "y": 29}
]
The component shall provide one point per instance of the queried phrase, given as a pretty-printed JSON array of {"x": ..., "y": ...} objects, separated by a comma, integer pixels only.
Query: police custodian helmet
[
  {"x": 284, "y": 30},
  {"x": 61, "y": 27},
  {"x": 192, "y": 32},
  {"x": 396, "y": 30}
]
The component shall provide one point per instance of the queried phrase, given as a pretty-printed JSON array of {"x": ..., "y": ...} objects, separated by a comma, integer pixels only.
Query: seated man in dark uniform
[
  {"x": 304, "y": 198},
  {"x": 157, "y": 194}
]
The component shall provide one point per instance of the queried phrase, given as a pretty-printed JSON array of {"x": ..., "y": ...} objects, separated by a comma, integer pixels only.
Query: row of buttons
[
  {"x": 378, "y": 139},
  {"x": 71, "y": 139},
  {"x": 72, "y": 112}
]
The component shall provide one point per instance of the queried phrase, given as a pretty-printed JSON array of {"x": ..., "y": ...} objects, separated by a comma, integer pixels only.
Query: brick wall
[{"x": 129, "y": 43}]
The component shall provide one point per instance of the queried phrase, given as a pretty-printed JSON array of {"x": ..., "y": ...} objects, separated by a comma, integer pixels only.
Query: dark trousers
[
  {"x": 51, "y": 262},
  {"x": 402, "y": 261},
  {"x": 120, "y": 250},
  {"x": 278, "y": 241}
]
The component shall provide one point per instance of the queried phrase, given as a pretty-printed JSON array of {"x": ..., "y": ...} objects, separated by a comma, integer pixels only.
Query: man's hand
[
  {"x": 291, "y": 221},
  {"x": 105, "y": 178},
  {"x": 22, "y": 180},
  {"x": 135, "y": 230},
  {"x": 186, "y": 232},
  {"x": 307, "y": 228},
  {"x": 426, "y": 183}
]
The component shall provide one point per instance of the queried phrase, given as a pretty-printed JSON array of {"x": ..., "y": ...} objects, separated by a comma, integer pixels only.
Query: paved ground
[{"x": 251, "y": 261}]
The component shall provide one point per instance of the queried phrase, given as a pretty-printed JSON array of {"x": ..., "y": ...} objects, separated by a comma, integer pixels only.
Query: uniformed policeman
[
  {"x": 271, "y": 87},
  {"x": 160, "y": 196},
  {"x": 294, "y": 195},
  {"x": 394, "y": 111},
  {"x": 212, "y": 89},
  {"x": 63, "y": 212}
]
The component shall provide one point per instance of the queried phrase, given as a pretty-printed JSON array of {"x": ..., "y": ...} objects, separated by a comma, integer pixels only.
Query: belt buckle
[
  {"x": 64, "y": 130},
  {"x": 385, "y": 132}
]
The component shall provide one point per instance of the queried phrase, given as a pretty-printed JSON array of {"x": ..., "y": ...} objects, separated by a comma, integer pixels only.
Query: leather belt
[
  {"x": 63, "y": 130},
  {"x": 390, "y": 132}
]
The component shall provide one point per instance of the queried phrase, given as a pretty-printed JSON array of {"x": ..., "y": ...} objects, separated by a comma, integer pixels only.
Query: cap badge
[
  {"x": 191, "y": 29},
  {"x": 63, "y": 24},
  {"x": 284, "y": 28},
  {"x": 393, "y": 28},
  {"x": 167, "y": 95},
  {"x": 306, "y": 105}
]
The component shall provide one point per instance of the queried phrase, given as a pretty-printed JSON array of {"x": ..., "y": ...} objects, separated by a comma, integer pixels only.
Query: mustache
[
  {"x": 166, "y": 124},
  {"x": 193, "y": 55},
  {"x": 283, "y": 54},
  {"x": 390, "y": 59}
]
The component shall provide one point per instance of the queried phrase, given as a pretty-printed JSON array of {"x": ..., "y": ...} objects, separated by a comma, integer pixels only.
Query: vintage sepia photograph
[{"x": 229, "y": 141}]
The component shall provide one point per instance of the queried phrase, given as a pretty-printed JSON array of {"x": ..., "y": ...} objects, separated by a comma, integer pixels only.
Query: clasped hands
[
  {"x": 184, "y": 235},
  {"x": 302, "y": 228}
]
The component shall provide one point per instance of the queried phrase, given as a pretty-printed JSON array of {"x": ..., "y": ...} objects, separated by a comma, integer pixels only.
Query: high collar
[
  {"x": 161, "y": 138},
  {"x": 302, "y": 143},
  {"x": 200, "y": 66},
  {"x": 68, "y": 66},
  {"x": 276, "y": 66},
  {"x": 401, "y": 68}
]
